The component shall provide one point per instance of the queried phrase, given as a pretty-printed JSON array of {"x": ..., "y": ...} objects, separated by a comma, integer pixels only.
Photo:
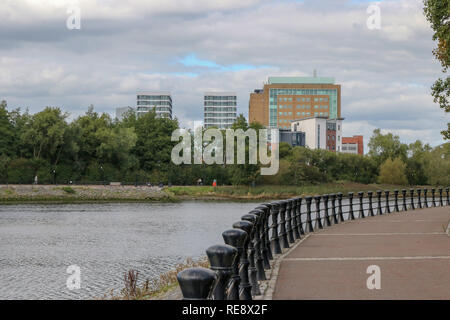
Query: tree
[
  {"x": 437, "y": 165},
  {"x": 244, "y": 174},
  {"x": 416, "y": 163},
  {"x": 153, "y": 145},
  {"x": 437, "y": 13},
  {"x": 6, "y": 132},
  {"x": 384, "y": 146},
  {"x": 393, "y": 172},
  {"x": 45, "y": 134}
]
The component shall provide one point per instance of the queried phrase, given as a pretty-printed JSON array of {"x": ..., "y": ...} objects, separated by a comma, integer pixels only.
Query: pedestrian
[
  {"x": 35, "y": 179},
  {"x": 214, "y": 183}
]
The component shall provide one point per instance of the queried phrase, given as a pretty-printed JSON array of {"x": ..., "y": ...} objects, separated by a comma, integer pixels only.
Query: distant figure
[
  {"x": 215, "y": 183},
  {"x": 35, "y": 179},
  {"x": 199, "y": 182}
]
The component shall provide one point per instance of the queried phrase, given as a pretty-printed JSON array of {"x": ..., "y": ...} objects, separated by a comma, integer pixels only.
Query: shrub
[{"x": 393, "y": 172}]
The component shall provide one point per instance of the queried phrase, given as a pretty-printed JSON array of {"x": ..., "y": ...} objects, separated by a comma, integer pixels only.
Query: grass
[
  {"x": 272, "y": 192},
  {"x": 152, "y": 289},
  {"x": 68, "y": 190}
]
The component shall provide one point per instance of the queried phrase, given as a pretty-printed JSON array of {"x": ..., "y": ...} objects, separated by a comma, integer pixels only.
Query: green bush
[{"x": 393, "y": 172}]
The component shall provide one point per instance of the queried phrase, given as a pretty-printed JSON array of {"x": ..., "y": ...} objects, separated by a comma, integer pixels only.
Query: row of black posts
[{"x": 237, "y": 267}]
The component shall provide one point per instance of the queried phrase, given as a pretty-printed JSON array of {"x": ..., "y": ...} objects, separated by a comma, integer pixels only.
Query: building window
[{"x": 318, "y": 136}]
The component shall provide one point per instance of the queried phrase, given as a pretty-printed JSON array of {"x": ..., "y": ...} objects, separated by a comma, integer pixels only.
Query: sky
[{"x": 188, "y": 47}]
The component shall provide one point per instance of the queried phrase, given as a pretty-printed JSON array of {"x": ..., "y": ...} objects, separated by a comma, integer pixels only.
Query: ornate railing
[{"x": 238, "y": 266}]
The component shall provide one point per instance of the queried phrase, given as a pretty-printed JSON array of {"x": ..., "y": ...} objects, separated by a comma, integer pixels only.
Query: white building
[
  {"x": 320, "y": 132},
  {"x": 219, "y": 109},
  {"x": 160, "y": 101}
]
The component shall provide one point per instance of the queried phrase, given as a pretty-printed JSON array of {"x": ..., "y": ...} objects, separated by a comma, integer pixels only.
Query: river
[{"x": 38, "y": 242}]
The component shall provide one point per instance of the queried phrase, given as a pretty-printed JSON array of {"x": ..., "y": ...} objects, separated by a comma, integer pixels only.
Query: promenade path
[{"x": 411, "y": 248}]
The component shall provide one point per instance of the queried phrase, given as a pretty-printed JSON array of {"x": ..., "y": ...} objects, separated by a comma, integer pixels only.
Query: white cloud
[{"x": 129, "y": 46}]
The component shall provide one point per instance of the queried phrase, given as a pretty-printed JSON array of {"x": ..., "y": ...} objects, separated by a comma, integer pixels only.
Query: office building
[
  {"x": 353, "y": 145},
  {"x": 219, "y": 109},
  {"x": 160, "y": 101},
  {"x": 293, "y": 138},
  {"x": 284, "y": 99},
  {"x": 320, "y": 132}
]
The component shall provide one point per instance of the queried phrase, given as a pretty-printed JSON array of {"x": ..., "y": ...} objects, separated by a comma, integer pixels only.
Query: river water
[{"x": 38, "y": 242}]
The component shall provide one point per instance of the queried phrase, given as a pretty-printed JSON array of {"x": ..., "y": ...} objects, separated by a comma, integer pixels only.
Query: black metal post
[
  {"x": 252, "y": 272},
  {"x": 275, "y": 239},
  {"x": 411, "y": 194},
  {"x": 370, "y": 194},
  {"x": 425, "y": 197},
  {"x": 299, "y": 217},
  {"x": 289, "y": 231},
  {"x": 318, "y": 217},
  {"x": 245, "y": 287},
  {"x": 351, "y": 216},
  {"x": 396, "y": 209},
  {"x": 404, "y": 199},
  {"x": 379, "y": 211},
  {"x": 283, "y": 233},
  {"x": 340, "y": 213},
  {"x": 440, "y": 198},
  {"x": 196, "y": 283},
  {"x": 447, "y": 191},
  {"x": 236, "y": 238},
  {"x": 295, "y": 218},
  {"x": 433, "y": 198},
  {"x": 361, "y": 205},
  {"x": 333, "y": 208},
  {"x": 221, "y": 259},
  {"x": 388, "y": 208},
  {"x": 259, "y": 259},
  {"x": 309, "y": 225},
  {"x": 327, "y": 220},
  {"x": 264, "y": 236},
  {"x": 419, "y": 202}
]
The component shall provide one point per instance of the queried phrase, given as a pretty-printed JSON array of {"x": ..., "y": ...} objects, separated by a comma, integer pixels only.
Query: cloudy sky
[{"x": 191, "y": 46}]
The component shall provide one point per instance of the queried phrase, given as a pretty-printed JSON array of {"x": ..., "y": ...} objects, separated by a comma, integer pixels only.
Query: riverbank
[
  {"x": 11, "y": 194},
  {"x": 271, "y": 192},
  {"x": 73, "y": 194}
]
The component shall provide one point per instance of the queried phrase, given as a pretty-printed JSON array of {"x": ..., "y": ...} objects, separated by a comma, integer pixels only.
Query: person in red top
[{"x": 214, "y": 183}]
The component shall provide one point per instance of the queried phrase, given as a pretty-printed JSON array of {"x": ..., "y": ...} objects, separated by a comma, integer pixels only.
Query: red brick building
[{"x": 353, "y": 144}]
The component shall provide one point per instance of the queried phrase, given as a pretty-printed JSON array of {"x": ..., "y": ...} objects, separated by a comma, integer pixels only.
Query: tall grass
[{"x": 152, "y": 289}]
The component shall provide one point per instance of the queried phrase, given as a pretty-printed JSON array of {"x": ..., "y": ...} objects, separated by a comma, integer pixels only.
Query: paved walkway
[{"x": 412, "y": 250}]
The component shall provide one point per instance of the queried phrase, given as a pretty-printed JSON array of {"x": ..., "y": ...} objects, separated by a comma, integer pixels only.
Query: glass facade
[
  {"x": 161, "y": 103},
  {"x": 274, "y": 93},
  {"x": 219, "y": 110}
]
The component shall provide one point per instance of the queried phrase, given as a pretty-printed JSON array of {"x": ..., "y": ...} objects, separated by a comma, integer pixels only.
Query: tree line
[{"x": 94, "y": 148}]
